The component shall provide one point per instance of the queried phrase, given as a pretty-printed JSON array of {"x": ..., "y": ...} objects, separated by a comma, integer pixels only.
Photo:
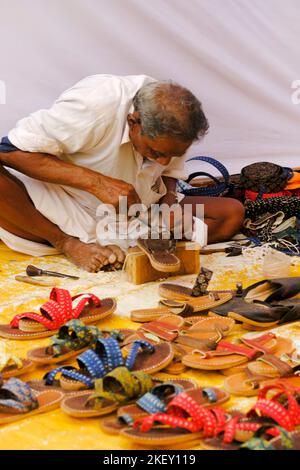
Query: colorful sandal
[
  {"x": 55, "y": 313},
  {"x": 118, "y": 387},
  {"x": 17, "y": 401},
  {"x": 266, "y": 370},
  {"x": 72, "y": 339},
  {"x": 229, "y": 355},
  {"x": 95, "y": 364},
  {"x": 181, "y": 308},
  {"x": 281, "y": 409},
  {"x": 157, "y": 400},
  {"x": 184, "y": 421},
  {"x": 13, "y": 366}
]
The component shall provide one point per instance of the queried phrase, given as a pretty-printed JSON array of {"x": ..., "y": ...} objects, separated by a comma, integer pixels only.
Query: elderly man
[{"x": 105, "y": 137}]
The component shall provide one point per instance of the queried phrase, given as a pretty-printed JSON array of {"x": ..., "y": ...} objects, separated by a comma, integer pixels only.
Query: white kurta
[{"x": 87, "y": 126}]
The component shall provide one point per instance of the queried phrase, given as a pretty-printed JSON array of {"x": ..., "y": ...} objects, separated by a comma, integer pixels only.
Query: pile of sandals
[{"x": 94, "y": 372}]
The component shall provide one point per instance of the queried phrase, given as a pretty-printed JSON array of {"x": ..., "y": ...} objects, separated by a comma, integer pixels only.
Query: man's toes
[
  {"x": 118, "y": 252},
  {"x": 109, "y": 254}
]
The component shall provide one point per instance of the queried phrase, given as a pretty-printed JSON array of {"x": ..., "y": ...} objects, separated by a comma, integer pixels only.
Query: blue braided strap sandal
[
  {"x": 93, "y": 364},
  {"x": 17, "y": 401}
]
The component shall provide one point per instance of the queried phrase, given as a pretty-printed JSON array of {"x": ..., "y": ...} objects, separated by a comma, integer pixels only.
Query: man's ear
[{"x": 133, "y": 119}]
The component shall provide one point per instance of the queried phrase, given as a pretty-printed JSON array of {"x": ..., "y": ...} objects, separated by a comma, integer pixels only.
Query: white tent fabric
[{"x": 240, "y": 57}]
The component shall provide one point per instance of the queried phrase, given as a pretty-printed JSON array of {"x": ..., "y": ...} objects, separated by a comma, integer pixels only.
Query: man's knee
[{"x": 234, "y": 213}]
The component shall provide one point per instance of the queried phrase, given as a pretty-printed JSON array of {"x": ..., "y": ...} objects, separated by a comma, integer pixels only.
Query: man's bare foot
[
  {"x": 120, "y": 255},
  {"x": 88, "y": 256}
]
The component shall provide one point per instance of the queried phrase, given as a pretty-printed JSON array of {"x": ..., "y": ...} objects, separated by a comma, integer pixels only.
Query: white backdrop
[{"x": 239, "y": 57}]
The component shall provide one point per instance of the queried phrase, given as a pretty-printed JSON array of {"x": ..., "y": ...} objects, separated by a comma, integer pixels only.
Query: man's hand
[{"x": 108, "y": 190}]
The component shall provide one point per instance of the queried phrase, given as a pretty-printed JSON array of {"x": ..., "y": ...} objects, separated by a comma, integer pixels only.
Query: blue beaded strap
[
  {"x": 153, "y": 402},
  {"x": 109, "y": 351},
  {"x": 210, "y": 394},
  {"x": 17, "y": 395},
  {"x": 90, "y": 361},
  {"x": 126, "y": 419},
  {"x": 68, "y": 371},
  {"x": 220, "y": 186},
  {"x": 134, "y": 350}
]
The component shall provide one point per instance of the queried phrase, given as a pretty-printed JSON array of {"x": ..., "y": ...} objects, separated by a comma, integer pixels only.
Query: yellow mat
[{"x": 56, "y": 430}]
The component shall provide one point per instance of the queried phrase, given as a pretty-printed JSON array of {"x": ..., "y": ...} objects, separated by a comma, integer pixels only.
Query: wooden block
[{"x": 139, "y": 269}]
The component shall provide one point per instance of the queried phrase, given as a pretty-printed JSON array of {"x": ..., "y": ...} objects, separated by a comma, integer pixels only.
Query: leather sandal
[
  {"x": 55, "y": 313},
  {"x": 161, "y": 254},
  {"x": 181, "y": 308}
]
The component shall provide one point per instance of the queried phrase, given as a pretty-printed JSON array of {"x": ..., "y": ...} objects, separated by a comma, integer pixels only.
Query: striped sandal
[
  {"x": 157, "y": 400},
  {"x": 119, "y": 386},
  {"x": 18, "y": 401},
  {"x": 184, "y": 421},
  {"x": 72, "y": 339},
  {"x": 55, "y": 313},
  {"x": 276, "y": 405},
  {"x": 107, "y": 355}
]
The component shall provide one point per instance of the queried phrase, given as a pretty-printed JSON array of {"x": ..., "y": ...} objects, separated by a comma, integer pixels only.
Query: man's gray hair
[{"x": 166, "y": 108}]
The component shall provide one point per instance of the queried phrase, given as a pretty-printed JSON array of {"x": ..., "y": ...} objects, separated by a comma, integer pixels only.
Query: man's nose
[{"x": 164, "y": 160}]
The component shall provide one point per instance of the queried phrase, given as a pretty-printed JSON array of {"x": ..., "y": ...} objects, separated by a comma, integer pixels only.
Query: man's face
[{"x": 161, "y": 149}]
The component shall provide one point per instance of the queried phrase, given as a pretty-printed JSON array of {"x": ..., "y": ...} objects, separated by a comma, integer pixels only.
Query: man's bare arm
[{"x": 51, "y": 169}]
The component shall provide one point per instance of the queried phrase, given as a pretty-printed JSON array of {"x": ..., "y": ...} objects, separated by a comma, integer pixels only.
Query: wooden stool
[{"x": 139, "y": 269}]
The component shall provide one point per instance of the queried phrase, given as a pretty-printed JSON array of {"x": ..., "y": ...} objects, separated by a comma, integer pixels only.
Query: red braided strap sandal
[
  {"x": 281, "y": 409},
  {"x": 185, "y": 421},
  {"x": 56, "y": 312}
]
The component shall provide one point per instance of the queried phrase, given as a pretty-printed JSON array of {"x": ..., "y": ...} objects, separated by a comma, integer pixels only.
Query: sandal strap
[
  {"x": 7, "y": 360},
  {"x": 129, "y": 385},
  {"x": 108, "y": 349},
  {"x": 147, "y": 423},
  {"x": 134, "y": 350},
  {"x": 16, "y": 394},
  {"x": 259, "y": 342},
  {"x": 161, "y": 329},
  {"x": 152, "y": 402},
  {"x": 68, "y": 371},
  {"x": 90, "y": 299},
  {"x": 54, "y": 313},
  {"x": 90, "y": 361},
  {"x": 230, "y": 348},
  {"x": 282, "y": 367}
]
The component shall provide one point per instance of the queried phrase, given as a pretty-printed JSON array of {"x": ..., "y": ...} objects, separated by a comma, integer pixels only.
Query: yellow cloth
[{"x": 55, "y": 430}]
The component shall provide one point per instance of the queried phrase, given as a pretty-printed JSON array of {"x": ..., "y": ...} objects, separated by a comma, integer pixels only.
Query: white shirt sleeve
[{"x": 74, "y": 123}]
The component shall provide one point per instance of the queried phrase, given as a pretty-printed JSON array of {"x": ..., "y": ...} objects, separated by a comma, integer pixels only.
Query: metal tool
[{"x": 34, "y": 271}]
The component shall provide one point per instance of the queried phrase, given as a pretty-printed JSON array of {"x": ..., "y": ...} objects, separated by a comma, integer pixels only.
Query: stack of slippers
[
  {"x": 185, "y": 335},
  {"x": 59, "y": 309},
  {"x": 262, "y": 305},
  {"x": 181, "y": 307},
  {"x": 229, "y": 355},
  {"x": 161, "y": 254},
  {"x": 282, "y": 365}
]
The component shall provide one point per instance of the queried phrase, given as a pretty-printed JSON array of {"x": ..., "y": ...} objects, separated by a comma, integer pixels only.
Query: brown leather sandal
[{"x": 161, "y": 254}]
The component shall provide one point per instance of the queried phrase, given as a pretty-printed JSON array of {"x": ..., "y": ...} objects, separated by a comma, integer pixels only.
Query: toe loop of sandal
[{"x": 136, "y": 346}]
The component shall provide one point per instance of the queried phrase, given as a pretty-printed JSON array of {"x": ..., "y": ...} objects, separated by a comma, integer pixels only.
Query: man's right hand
[{"x": 108, "y": 190}]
